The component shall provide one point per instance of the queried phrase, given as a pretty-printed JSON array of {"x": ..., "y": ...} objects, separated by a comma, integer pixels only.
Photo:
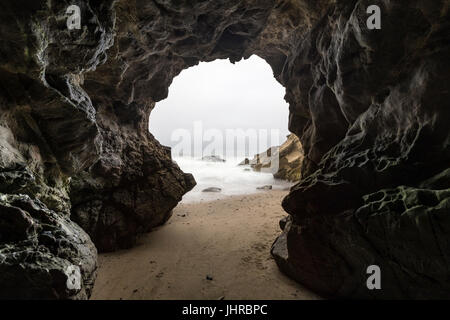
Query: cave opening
[
  {"x": 216, "y": 244},
  {"x": 224, "y": 123}
]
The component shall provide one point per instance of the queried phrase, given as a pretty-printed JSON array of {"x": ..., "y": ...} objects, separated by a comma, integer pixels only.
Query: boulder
[
  {"x": 267, "y": 187},
  {"x": 43, "y": 255}
]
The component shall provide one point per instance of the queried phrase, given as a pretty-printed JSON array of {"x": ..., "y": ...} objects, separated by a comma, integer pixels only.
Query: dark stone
[{"x": 40, "y": 251}]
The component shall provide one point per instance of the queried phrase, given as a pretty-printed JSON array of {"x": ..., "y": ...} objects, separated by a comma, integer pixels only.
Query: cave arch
[
  {"x": 231, "y": 103},
  {"x": 371, "y": 110}
]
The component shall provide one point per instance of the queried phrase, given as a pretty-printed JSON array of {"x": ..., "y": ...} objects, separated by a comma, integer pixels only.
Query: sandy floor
[{"x": 225, "y": 240}]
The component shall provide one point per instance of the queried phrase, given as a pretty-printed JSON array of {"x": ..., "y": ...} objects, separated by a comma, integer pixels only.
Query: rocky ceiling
[{"x": 371, "y": 108}]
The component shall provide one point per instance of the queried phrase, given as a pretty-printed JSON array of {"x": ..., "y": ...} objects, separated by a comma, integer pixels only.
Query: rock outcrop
[
  {"x": 371, "y": 198},
  {"x": 285, "y": 161},
  {"x": 290, "y": 159},
  {"x": 213, "y": 159},
  {"x": 266, "y": 161},
  {"x": 370, "y": 107},
  {"x": 131, "y": 189}
]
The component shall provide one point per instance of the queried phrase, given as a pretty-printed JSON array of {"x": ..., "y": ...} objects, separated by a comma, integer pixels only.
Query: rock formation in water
[
  {"x": 290, "y": 159},
  {"x": 370, "y": 107},
  {"x": 213, "y": 159},
  {"x": 285, "y": 161},
  {"x": 264, "y": 161}
]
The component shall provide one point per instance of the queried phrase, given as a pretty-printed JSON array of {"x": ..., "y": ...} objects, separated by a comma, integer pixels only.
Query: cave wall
[
  {"x": 371, "y": 109},
  {"x": 373, "y": 198}
]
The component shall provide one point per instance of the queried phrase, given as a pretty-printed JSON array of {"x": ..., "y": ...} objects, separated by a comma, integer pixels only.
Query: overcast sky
[{"x": 223, "y": 96}]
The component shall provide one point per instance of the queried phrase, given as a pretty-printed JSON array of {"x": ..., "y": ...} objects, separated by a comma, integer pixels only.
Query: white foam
[{"x": 231, "y": 178}]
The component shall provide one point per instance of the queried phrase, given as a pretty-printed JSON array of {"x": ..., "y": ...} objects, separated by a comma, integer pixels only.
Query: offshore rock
[
  {"x": 290, "y": 159},
  {"x": 213, "y": 159},
  {"x": 285, "y": 161}
]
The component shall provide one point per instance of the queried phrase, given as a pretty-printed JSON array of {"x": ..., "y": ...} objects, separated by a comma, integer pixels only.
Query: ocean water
[{"x": 231, "y": 178}]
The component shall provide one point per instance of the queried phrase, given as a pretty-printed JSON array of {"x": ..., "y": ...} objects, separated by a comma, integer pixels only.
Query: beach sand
[{"x": 208, "y": 250}]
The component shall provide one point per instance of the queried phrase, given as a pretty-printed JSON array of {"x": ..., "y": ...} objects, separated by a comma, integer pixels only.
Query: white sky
[{"x": 223, "y": 96}]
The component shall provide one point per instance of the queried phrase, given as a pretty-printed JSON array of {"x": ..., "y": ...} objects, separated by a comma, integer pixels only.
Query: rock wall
[
  {"x": 48, "y": 134},
  {"x": 371, "y": 109},
  {"x": 373, "y": 198}
]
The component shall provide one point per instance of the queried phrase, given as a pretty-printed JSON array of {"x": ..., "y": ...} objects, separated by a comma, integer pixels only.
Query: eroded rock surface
[
  {"x": 43, "y": 255},
  {"x": 367, "y": 202},
  {"x": 371, "y": 109},
  {"x": 49, "y": 133}
]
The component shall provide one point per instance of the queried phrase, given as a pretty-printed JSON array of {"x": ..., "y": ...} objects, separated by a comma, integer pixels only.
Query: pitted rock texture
[{"x": 370, "y": 107}]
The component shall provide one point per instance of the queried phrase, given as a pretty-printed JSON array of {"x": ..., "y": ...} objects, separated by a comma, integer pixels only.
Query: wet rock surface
[{"x": 371, "y": 109}]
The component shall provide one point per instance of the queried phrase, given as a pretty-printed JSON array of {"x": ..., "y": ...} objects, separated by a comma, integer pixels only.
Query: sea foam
[{"x": 229, "y": 176}]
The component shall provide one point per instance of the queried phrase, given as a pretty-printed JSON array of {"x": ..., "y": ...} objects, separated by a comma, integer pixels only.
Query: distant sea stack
[
  {"x": 213, "y": 159},
  {"x": 290, "y": 156}
]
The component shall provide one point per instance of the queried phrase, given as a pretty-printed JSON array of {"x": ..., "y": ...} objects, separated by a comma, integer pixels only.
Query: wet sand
[{"x": 208, "y": 250}]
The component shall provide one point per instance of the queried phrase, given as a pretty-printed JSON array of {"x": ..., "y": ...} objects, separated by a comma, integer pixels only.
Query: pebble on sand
[{"x": 268, "y": 187}]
